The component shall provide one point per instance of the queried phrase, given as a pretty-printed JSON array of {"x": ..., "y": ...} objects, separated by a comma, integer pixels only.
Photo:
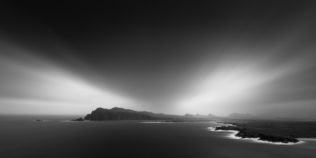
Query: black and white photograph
[{"x": 158, "y": 79}]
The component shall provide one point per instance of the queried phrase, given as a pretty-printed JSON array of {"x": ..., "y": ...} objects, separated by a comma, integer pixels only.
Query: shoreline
[{"x": 233, "y": 135}]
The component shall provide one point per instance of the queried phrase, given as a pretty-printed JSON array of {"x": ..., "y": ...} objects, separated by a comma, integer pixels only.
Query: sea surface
[{"x": 56, "y": 137}]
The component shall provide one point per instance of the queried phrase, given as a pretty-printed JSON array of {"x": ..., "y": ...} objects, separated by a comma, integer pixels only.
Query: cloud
[
  {"x": 30, "y": 84},
  {"x": 237, "y": 85}
]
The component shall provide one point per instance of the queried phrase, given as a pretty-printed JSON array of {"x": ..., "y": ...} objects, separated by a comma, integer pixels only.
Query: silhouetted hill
[{"x": 116, "y": 113}]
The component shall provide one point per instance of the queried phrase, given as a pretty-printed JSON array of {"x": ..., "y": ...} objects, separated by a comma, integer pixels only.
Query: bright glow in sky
[
  {"x": 36, "y": 87},
  {"x": 222, "y": 87},
  {"x": 225, "y": 89},
  {"x": 32, "y": 85}
]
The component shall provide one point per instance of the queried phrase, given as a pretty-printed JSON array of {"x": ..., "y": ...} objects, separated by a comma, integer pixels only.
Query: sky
[{"x": 175, "y": 57}]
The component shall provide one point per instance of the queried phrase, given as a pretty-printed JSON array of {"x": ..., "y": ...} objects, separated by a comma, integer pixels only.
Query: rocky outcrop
[{"x": 248, "y": 133}]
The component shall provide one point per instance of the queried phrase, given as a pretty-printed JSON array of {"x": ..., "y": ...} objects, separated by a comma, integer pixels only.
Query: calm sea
[{"x": 55, "y": 137}]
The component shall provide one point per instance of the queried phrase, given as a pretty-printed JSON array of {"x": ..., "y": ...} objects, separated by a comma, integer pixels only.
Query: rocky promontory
[{"x": 248, "y": 133}]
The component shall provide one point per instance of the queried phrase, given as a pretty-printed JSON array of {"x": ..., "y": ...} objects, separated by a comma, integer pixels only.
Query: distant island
[{"x": 116, "y": 113}]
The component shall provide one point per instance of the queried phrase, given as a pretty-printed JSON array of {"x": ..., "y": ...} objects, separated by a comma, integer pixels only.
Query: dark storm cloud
[{"x": 158, "y": 52}]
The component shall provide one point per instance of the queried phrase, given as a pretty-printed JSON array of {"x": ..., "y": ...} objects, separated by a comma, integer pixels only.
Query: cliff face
[{"x": 117, "y": 114}]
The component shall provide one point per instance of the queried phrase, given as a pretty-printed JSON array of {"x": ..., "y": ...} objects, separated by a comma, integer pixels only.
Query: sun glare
[{"x": 220, "y": 88}]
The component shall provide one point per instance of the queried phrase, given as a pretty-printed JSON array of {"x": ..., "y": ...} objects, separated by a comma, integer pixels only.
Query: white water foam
[
  {"x": 232, "y": 135},
  {"x": 211, "y": 129}
]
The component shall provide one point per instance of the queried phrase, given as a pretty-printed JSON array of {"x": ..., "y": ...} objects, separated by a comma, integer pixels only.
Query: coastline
[{"x": 232, "y": 134}]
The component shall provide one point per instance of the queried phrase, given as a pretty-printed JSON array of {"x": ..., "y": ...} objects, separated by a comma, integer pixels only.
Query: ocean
[{"x": 55, "y": 137}]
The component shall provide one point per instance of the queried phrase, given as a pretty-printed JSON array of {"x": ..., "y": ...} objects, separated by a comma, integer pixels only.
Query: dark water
[{"x": 62, "y": 139}]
